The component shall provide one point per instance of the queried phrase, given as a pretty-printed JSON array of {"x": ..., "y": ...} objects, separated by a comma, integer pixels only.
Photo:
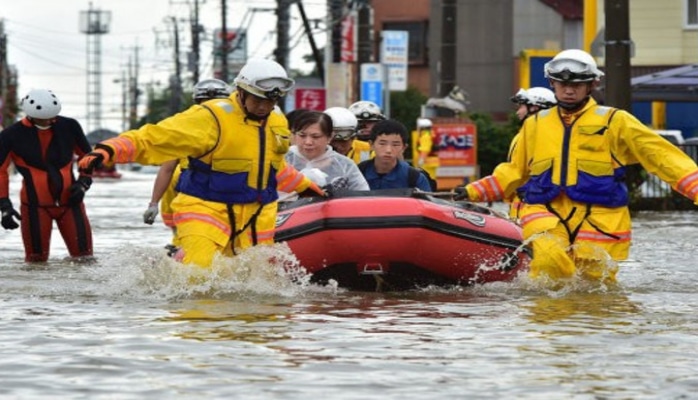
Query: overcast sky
[{"x": 46, "y": 46}]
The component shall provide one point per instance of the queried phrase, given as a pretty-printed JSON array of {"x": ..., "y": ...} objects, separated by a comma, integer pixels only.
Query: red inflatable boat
[{"x": 400, "y": 240}]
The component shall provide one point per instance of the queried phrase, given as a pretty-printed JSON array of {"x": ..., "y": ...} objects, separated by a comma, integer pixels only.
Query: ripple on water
[{"x": 135, "y": 325}]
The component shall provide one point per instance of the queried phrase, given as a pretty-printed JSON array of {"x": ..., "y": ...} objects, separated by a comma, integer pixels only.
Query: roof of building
[
  {"x": 569, "y": 9},
  {"x": 676, "y": 84}
]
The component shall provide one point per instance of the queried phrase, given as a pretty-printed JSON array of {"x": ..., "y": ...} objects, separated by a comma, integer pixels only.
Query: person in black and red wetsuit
[{"x": 42, "y": 147}]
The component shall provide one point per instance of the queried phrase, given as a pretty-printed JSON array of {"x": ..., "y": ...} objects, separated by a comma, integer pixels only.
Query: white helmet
[
  {"x": 366, "y": 111},
  {"x": 210, "y": 89},
  {"x": 41, "y": 104},
  {"x": 264, "y": 78},
  {"x": 535, "y": 96},
  {"x": 573, "y": 66},
  {"x": 423, "y": 123},
  {"x": 344, "y": 123}
]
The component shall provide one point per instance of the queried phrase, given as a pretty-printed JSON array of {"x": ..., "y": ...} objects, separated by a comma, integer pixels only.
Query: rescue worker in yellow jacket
[
  {"x": 528, "y": 102},
  {"x": 169, "y": 172},
  {"x": 344, "y": 129},
  {"x": 227, "y": 196},
  {"x": 367, "y": 114},
  {"x": 427, "y": 147},
  {"x": 568, "y": 168}
]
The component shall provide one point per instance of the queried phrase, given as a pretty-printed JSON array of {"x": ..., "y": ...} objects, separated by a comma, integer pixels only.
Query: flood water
[{"x": 134, "y": 325}]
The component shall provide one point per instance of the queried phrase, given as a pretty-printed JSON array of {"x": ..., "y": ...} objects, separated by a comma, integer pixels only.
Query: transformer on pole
[{"x": 94, "y": 23}]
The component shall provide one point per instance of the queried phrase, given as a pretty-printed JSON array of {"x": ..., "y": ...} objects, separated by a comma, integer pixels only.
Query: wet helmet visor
[
  {"x": 568, "y": 76},
  {"x": 343, "y": 134}
]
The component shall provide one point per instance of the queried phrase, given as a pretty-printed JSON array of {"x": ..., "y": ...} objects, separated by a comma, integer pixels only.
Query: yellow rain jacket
[
  {"x": 166, "y": 211},
  {"x": 427, "y": 149},
  {"x": 288, "y": 180},
  {"x": 226, "y": 198},
  {"x": 514, "y": 201},
  {"x": 571, "y": 181},
  {"x": 360, "y": 151}
]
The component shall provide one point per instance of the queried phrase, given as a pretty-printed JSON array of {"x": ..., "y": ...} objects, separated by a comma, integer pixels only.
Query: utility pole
[
  {"x": 133, "y": 91},
  {"x": 365, "y": 53},
  {"x": 319, "y": 62},
  {"x": 449, "y": 12},
  {"x": 176, "y": 80},
  {"x": 283, "y": 26},
  {"x": 618, "y": 45},
  {"x": 195, "y": 48},
  {"x": 193, "y": 57},
  {"x": 226, "y": 45},
  {"x": 335, "y": 11},
  {"x": 124, "y": 100},
  {"x": 365, "y": 33}
]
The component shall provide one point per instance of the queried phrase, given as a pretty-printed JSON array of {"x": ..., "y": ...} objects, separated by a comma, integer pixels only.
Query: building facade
[{"x": 492, "y": 35}]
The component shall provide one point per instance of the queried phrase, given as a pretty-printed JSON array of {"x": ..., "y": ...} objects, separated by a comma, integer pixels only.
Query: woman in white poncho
[{"x": 313, "y": 156}]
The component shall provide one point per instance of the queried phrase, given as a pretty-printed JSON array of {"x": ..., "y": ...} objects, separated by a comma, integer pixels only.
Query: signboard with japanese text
[
  {"x": 457, "y": 152},
  {"x": 394, "y": 56},
  {"x": 237, "y": 51},
  {"x": 372, "y": 83},
  {"x": 348, "y": 50},
  {"x": 311, "y": 99}
]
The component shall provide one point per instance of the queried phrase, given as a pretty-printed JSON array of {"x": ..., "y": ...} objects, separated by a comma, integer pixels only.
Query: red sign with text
[
  {"x": 457, "y": 144},
  {"x": 348, "y": 53},
  {"x": 311, "y": 99}
]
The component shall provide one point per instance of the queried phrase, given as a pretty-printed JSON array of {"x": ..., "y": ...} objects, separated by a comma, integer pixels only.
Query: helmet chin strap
[
  {"x": 573, "y": 106},
  {"x": 254, "y": 117}
]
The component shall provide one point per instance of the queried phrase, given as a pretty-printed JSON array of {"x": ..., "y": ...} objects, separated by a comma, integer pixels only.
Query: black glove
[
  {"x": 339, "y": 183},
  {"x": 459, "y": 193},
  {"x": 329, "y": 190},
  {"x": 94, "y": 159},
  {"x": 311, "y": 193},
  {"x": 78, "y": 189},
  {"x": 8, "y": 213}
]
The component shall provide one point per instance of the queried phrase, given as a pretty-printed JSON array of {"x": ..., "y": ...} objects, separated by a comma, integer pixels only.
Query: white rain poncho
[{"x": 340, "y": 171}]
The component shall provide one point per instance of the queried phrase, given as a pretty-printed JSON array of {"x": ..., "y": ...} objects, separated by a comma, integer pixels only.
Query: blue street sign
[
  {"x": 372, "y": 91},
  {"x": 372, "y": 83}
]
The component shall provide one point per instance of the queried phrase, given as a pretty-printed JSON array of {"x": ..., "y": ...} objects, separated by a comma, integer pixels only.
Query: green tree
[
  {"x": 406, "y": 106},
  {"x": 493, "y": 140}
]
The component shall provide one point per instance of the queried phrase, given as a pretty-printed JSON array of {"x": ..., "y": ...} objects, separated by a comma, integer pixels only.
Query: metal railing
[{"x": 654, "y": 194}]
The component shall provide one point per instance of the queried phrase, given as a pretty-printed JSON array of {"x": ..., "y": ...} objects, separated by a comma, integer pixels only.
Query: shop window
[{"x": 692, "y": 14}]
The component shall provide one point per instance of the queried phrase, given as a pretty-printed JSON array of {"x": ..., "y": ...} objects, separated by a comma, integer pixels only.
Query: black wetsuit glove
[
  {"x": 329, "y": 190},
  {"x": 78, "y": 189},
  {"x": 8, "y": 214},
  {"x": 459, "y": 193}
]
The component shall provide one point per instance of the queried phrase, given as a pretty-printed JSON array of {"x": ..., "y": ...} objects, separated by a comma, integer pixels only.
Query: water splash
[
  {"x": 523, "y": 283},
  {"x": 261, "y": 270}
]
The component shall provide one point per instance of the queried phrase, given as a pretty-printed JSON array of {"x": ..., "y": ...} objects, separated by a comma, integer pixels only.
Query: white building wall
[{"x": 659, "y": 33}]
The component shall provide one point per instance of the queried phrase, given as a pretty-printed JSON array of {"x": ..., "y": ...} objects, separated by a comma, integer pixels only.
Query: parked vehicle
[{"x": 673, "y": 135}]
